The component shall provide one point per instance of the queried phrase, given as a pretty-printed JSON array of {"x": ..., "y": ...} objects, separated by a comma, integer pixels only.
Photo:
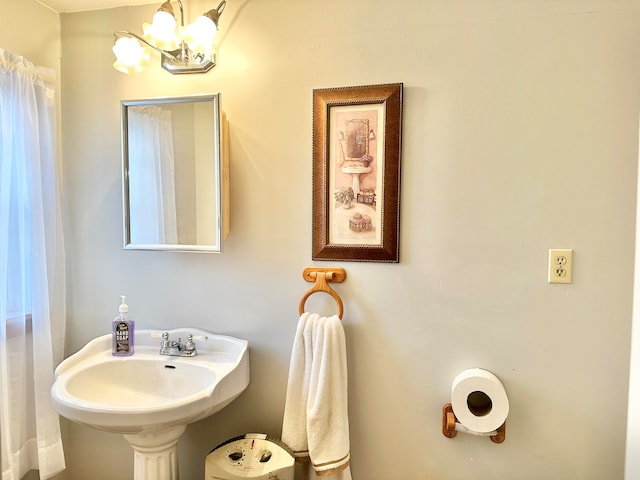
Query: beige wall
[
  {"x": 31, "y": 30},
  {"x": 520, "y": 134}
]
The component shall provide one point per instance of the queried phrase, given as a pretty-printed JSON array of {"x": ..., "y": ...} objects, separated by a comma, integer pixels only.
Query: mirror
[
  {"x": 357, "y": 138},
  {"x": 173, "y": 173}
]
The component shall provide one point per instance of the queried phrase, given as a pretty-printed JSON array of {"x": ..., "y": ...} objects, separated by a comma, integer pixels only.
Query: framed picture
[{"x": 357, "y": 139}]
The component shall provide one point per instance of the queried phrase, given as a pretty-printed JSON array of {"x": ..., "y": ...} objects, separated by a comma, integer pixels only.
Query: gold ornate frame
[{"x": 331, "y": 238}]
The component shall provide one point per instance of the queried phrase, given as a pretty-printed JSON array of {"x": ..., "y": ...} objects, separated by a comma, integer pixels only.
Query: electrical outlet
[{"x": 560, "y": 265}]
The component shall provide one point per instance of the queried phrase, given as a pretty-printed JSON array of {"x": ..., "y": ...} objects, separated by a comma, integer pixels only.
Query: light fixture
[{"x": 183, "y": 49}]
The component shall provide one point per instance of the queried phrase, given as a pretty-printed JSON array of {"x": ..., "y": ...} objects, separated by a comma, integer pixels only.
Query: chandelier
[{"x": 182, "y": 49}]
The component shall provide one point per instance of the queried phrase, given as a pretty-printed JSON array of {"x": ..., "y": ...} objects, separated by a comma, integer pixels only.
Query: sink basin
[
  {"x": 357, "y": 170},
  {"x": 150, "y": 397},
  {"x": 142, "y": 383}
]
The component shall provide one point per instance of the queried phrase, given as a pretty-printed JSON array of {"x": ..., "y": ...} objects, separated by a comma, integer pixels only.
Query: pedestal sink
[
  {"x": 355, "y": 173},
  {"x": 148, "y": 397}
]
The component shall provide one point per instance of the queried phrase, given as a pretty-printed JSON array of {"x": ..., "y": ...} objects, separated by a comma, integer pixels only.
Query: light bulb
[
  {"x": 131, "y": 57},
  {"x": 200, "y": 34},
  {"x": 164, "y": 21},
  {"x": 162, "y": 32}
]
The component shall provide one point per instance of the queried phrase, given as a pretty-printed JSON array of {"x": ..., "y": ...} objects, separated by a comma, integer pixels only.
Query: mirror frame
[{"x": 220, "y": 168}]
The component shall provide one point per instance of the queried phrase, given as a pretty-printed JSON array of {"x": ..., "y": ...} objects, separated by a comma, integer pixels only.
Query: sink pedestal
[
  {"x": 156, "y": 454},
  {"x": 355, "y": 173}
]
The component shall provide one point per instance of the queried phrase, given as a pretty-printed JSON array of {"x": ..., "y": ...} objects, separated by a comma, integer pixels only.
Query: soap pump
[{"x": 122, "y": 331}]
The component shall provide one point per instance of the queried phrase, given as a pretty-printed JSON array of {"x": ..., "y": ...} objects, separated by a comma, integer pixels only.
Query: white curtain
[
  {"x": 152, "y": 197},
  {"x": 32, "y": 289}
]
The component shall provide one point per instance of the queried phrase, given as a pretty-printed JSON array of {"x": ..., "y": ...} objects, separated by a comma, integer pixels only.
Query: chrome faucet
[{"x": 176, "y": 348}]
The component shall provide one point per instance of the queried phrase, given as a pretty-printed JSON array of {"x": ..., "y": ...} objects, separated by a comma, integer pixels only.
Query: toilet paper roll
[{"x": 479, "y": 400}]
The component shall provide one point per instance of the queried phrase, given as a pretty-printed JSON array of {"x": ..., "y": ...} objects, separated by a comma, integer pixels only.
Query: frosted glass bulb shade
[
  {"x": 162, "y": 32},
  {"x": 200, "y": 34},
  {"x": 164, "y": 21},
  {"x": 131, "y": 57}
]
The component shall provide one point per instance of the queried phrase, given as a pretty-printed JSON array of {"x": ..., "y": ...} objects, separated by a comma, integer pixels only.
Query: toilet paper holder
[{"x": 451, "y": 427}]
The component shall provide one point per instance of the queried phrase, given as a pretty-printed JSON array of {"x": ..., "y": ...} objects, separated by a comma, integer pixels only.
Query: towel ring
[{"x": 321, "y": 278}]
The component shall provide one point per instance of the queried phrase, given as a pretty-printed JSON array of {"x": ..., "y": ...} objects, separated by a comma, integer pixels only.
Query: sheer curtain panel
[
  {"x": 32, "y": 289},
  {"x": 152, "y": 195}
]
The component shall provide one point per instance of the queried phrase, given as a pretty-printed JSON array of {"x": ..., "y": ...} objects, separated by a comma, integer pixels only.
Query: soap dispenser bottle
[{"x": 122, "y": 332}]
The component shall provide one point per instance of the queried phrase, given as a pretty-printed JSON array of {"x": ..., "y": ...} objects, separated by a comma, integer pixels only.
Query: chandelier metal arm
[{"x": 181, "y": 13}]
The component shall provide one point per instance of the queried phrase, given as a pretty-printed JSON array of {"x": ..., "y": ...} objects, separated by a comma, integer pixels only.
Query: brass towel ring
[{"x": 321, "y": 278}]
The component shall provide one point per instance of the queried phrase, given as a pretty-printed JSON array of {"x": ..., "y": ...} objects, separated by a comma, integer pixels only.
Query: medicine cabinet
[{"x": 175, "y": 173}]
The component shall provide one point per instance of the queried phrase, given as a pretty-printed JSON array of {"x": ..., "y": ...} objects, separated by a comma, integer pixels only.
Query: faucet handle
[
  {"x": 164, "y": 345},
  {"x": 190, "y": 346},
  {"x": 156, "y": 334},
  {"x": 202, "y": 338}
]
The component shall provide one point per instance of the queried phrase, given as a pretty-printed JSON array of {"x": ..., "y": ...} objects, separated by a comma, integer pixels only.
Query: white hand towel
[{"x": 316, "y": 421}]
